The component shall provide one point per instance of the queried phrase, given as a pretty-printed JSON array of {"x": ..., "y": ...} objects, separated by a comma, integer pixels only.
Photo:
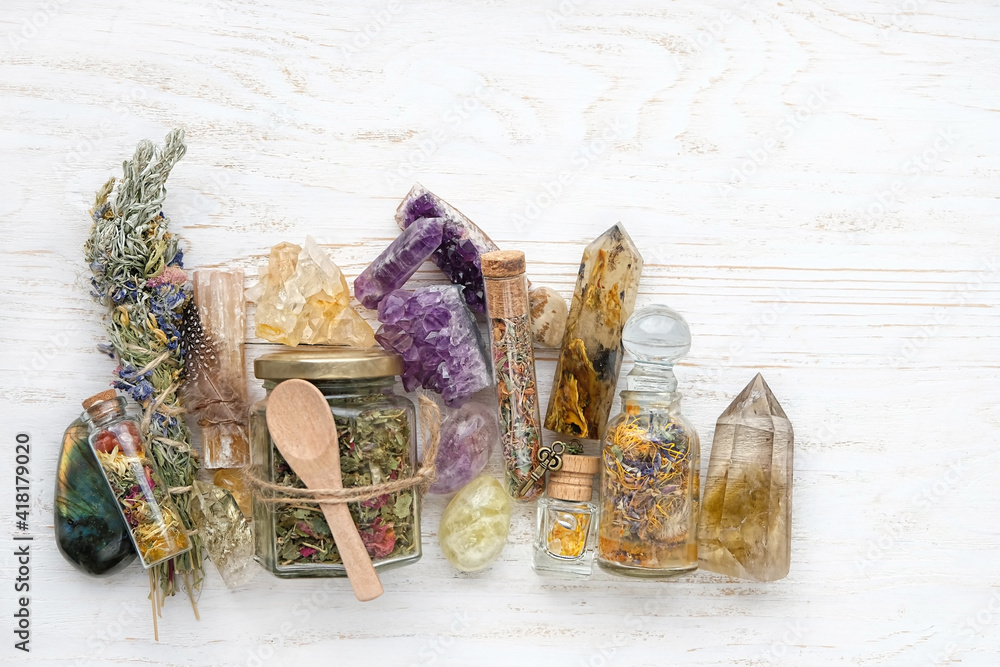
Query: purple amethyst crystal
[
  {"x": 462, "y": 242},
  {"x": 399, "y": 261},
  {"x": 438, "y": 339},
  {"x": 467, "y": 438}
]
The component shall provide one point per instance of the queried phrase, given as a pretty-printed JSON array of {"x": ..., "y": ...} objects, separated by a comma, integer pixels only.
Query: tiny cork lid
[
  {"x": 575, "y": 480},
  {"x": 107, "y": 395},
  {"x": 502, "y": 263}
]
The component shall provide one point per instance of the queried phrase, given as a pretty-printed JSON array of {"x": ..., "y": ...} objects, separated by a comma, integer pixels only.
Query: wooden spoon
[{"x": 303, "y": 429}]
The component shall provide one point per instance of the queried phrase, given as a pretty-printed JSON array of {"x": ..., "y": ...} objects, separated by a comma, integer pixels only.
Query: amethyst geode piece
[
  {"x": 468, "y": 435},
  {"x": 399, "y": 261},
  {"x": 461, "y": 244},
  {"x": 438, "y": 339}
]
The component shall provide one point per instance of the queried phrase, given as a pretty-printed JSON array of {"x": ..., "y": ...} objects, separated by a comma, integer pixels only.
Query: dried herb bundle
[{"x": 139, "y": 276}]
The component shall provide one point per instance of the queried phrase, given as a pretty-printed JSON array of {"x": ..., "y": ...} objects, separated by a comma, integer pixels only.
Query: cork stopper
[
  {"x": 107, "y": 395},
  {"x": 502, "y": 263},
  {"x": 575, "y": 481}
]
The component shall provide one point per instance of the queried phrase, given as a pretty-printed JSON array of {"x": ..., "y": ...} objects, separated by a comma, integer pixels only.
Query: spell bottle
[
  {"x": 507, "y": 308},
  {"x": 650, "y": 459},
  {"x": 566, "y": 519},
  {"x": 144, "y": 500}
]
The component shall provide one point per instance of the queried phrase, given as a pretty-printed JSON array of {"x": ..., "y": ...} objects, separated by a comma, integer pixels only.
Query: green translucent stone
[
  {"x": 475, "y": 524},
  {"x": 90, "y": 531}
]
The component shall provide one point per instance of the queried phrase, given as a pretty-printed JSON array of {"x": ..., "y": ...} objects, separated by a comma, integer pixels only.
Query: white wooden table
[{"x": 813, "y": 184}]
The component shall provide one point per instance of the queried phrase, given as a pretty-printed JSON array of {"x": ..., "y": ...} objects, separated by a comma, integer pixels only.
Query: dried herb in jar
[
  {"x": 374, "y": 448},
  {"x": 517, "y": 395},
  {"x": 647, "y": 499},
  {"x": 514, "y": 366}
]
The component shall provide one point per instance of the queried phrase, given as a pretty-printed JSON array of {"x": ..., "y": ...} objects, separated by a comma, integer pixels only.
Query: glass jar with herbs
[
  {"x": 649, "y": 472},
  {"x": 375, "y": 430}
]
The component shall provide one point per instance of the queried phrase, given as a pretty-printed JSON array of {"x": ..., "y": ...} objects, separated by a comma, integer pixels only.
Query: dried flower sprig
[{"x": 139, "y": 276}]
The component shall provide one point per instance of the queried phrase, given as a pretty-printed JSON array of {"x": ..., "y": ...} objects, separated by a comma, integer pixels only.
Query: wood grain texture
[{"x": 812, "y": 183}]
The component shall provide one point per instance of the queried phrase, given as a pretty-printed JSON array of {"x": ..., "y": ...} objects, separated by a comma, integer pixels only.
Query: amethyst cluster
[
  {"x": 438, "y": 339},
  {"x": 399, "y": 261},
  {"x": 462, "y": 242}
]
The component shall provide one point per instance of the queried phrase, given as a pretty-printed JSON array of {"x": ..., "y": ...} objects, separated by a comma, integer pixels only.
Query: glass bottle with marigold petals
[
  {"x": 154, "y": 522},
  {"x": 650, "y": 459}
]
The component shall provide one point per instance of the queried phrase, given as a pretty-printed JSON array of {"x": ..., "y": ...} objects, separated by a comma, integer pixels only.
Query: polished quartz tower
[{"x": 746, "y": 517}]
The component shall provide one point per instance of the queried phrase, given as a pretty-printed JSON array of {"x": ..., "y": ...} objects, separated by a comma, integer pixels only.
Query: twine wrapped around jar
[{"x": 280, "y": 494}]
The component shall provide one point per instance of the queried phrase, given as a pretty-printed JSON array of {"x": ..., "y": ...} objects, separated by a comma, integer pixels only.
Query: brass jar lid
[{"x": 327, "y": 363}]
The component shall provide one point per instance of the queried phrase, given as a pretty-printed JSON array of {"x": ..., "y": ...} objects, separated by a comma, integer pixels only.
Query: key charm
[{"x": 549, "y": 458}]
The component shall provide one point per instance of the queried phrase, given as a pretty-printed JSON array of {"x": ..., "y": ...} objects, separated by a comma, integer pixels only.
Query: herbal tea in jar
[
  {"x": 375, "y": 429},
  {"x": 649, "y": 476}
]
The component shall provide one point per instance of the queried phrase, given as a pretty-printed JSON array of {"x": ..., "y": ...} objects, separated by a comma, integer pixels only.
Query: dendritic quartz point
[
  {"x": 591, "y": 354},
  {"x": 746, "y": 517},
  {"x": 462, "y": 242},
  {"x": 438, "y": 339}
]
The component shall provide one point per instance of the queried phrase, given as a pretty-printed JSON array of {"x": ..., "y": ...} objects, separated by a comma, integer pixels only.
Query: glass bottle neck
[
  {"x": 106, "y": 412},
  {"x": 653, "y": 377}
]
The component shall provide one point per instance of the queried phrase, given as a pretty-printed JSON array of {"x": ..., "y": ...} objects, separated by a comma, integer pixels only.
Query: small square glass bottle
[{"x": 566, "y": 519}]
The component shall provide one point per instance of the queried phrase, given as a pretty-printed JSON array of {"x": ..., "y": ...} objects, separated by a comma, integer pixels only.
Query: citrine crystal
[
  {"x": 462, "y": 242},
  {"x": 746, "y": 517},
  {"x": 475, "y": 525},
  {"x": 591, "y": 354},
  {"x": 302, "y": 297}
]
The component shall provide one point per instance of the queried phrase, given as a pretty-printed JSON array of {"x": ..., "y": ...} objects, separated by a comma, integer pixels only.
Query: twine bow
[{"x": 279, "y": 494}]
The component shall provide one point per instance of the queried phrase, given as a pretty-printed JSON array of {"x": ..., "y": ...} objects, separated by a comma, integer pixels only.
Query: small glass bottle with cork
[
  {"x": 508, "y": 310},
  {"x": 144, "y": 500},
  {"x": 566, "y": 515}
]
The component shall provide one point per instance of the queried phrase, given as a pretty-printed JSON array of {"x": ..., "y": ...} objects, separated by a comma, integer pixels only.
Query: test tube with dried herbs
[{"x": 507, "y": 308}]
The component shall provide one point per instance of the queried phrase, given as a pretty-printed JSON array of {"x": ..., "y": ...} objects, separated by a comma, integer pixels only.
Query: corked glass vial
[
  {"x": 154, "y": 522},
  {"x": 566, "y": 519},
  {"x": 508, "y": 311},
  {"x": 377, "y": 440}
]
